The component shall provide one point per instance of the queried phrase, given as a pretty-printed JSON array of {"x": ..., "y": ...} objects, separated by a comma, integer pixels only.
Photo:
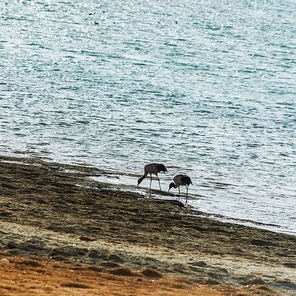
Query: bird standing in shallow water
[
  {"x": 152, "y": 168},
  {"x": 181, "y": 180}
]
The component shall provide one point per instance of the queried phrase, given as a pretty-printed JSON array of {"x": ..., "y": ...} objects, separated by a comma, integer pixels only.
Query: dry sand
[{"x": 62, "y": 233}]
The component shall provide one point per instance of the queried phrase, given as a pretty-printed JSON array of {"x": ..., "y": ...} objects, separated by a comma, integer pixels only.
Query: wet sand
[{"x": 75, "y": 234}]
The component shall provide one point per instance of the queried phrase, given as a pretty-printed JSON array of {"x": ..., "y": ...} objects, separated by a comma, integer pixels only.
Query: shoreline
[
  {"x": 72, "y": 218},
  {"x": 103, "y": 177}
]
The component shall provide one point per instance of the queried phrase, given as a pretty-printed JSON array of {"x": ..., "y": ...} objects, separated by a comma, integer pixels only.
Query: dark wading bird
[
  {"x": 181, "y": 180},
  {"x": 152, "y": 168}
]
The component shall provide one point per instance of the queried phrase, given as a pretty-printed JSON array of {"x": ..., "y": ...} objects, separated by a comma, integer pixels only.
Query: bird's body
[
  {"x": 181, "y": 180},
  {"x": 152, "y": 168}
]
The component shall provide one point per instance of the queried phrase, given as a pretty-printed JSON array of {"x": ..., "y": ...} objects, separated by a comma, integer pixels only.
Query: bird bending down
[
  {"x": 181, "y": 180},
  {"x": 152, "y": 168}
]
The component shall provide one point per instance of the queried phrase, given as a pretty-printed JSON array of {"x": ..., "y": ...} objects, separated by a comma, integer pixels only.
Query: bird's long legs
[
  {"x": 150, "y": 180},
  {"x": 158, "y": 182},
  {"x": 186, "y": 195},
  {"x": 179, "y": 195}
]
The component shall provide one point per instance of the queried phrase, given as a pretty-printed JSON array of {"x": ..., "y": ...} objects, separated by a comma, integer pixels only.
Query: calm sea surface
[{"x": 206, "y": 87}]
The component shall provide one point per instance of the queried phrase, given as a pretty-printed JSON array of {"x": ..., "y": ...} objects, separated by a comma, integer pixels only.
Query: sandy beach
[{"x": 63, "y": 233}]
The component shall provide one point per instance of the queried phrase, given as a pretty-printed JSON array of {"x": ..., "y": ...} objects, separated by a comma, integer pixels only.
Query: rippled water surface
[{"x": 205, "y": 87}]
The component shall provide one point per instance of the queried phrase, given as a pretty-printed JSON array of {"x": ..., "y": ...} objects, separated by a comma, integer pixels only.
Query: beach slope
[{"x": 62, "y": 232}]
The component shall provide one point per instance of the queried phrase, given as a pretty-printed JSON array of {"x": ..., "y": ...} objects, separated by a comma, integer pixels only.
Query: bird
[
  {"x": 181, "y": 180},
  {"x": 152, "y": 168}
]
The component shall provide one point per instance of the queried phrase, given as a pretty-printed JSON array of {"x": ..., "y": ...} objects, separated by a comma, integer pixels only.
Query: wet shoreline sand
[{"x": 54, "y": 215}]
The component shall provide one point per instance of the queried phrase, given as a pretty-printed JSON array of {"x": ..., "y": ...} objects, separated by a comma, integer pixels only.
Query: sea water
[{"x": 205, "y": 87}]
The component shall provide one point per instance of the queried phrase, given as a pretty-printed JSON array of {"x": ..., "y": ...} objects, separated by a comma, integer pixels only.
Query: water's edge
[{"x": 121, "y": 181}]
